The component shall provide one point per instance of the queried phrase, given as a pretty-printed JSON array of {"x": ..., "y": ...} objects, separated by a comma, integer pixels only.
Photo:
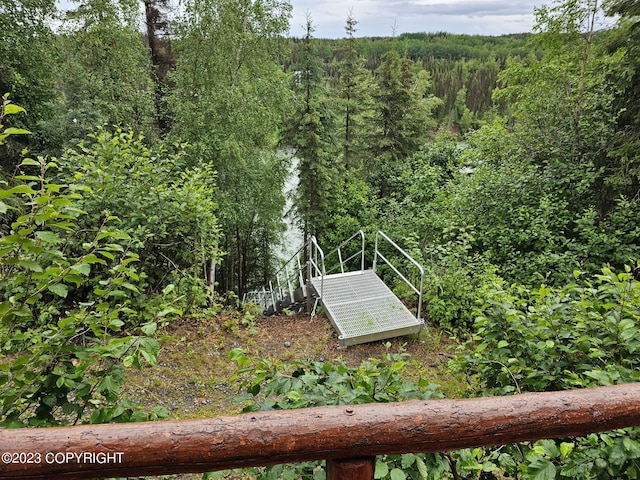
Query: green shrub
[
  {"x": 68, "y": 333},
  {"x": 579, "y": 335},
  {"x": 167, "y": 209},
  {"x": 302, "y": 384},
  {"x": 583, "y": 334}
]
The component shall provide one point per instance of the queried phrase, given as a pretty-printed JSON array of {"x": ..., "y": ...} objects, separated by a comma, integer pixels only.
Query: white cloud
[
  {"x": 382, "y": 17},
  {"x": 378, "y": 17}
]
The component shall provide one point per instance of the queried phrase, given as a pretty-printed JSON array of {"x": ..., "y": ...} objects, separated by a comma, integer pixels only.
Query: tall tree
[
  {"x": 567, "y": 131},
  {"x": 314, "y": 140},
  {"x": 624, "y": 47},
  {"x": 547, "y": 190},
  {"x": 104, "y": 75},
  {"x": 162, "y": 57},
  {"x": 355, "y": 99},
  {"x": 229, "y": 98},
  {"x": 404, "y": 108},
  {"x": 27, "y": 68}
]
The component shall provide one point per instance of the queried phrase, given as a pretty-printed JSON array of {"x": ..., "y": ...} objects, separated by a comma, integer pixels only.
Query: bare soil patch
[{"x": 192, "y": 376}]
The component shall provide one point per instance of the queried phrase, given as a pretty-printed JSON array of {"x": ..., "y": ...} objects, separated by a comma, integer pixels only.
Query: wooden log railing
[{"x": 348, "y": 437}]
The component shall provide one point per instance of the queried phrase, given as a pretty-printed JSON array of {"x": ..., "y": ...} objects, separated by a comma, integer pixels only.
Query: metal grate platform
[{"x": 362, "y": 308}]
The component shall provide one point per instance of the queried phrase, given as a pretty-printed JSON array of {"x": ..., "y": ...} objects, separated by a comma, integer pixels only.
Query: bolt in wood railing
[{"x": 348, "y": 437}]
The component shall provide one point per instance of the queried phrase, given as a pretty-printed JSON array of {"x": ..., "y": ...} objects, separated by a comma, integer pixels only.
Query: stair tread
[{"x": 363, "y": 309}]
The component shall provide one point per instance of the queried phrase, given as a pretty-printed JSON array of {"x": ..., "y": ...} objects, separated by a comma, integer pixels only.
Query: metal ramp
[{"x": 361, "y": 307}]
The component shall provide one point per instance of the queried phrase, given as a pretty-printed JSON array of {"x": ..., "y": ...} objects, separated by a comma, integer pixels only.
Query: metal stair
[
  {"x": 360, "y": 306},
  {"x": 363, "y": 309}
]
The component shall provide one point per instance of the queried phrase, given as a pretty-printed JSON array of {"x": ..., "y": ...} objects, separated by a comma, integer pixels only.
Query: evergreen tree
[
  {"x": 403, "y": 118},
  {"x": 314, "y": 141},
  {"x": 355, "y": 100}
]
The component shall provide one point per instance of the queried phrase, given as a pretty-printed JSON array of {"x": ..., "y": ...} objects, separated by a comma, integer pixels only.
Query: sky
[{"x": 386, "y": 17}]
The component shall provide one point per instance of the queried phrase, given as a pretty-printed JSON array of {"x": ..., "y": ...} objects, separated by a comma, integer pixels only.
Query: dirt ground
[{"x": 192, "y": 376}]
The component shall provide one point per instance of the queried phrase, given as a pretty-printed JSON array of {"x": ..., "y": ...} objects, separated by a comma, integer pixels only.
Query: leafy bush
[
  {"x": 612, "y": 240},
  {"x": 519, "y": 225},
  {"x": 166, "y": 209},
  {"x": 583, "y": 334},
  {"x": 580, "y": 335},
  {"x": 454, "y": 276},
  {"x": 67, "y": 333},
  {"x": 302, "y": 384}
]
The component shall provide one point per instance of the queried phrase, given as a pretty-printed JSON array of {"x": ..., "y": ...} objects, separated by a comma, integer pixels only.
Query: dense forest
[{"x": 143, "y": 160}]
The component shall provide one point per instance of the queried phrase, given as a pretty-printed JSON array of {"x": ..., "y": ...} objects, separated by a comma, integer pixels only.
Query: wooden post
[
  {"x": 351, "y": 468},
  {"x": 321, "y": 433}
]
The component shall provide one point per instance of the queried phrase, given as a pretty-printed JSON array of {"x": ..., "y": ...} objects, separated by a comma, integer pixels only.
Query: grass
[{"x": 192, "y": 376}]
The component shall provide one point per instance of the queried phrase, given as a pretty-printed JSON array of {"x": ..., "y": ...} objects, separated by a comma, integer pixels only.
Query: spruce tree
[
  {"x": 314, "y": 141},
  {"x": 355, "y": 101},
  {"x": 403, "y": 119}
]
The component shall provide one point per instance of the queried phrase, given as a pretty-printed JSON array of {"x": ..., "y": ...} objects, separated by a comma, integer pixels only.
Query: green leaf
[
  {"x": 31, "y": 162},
  {"x": 407, "y": 460},
  {"x": 16, "y": 131},
  {"x": 109, "y": 386},
  {"x": 617, "y": 455},
  {"x": 59, "y": 289},
  {"x": 422, "y": 468},
  {"x": 540, "y": 469},
  {"x": 215, "y": 475},
  {"x": 131, "y": 287},
  {"x": 48, "y": 237},
  {"x": 397, "y": 474},
  {"x": 24, "y": 189},
  {"x": 603, "y": 378},
  {"x": 382, "y": 470},
  {"x": 294, "y": 396},
  {"x": 149, "y": 328},
  {"x": 566, "y": 448},
  {"x": 30, "y": 265},
  {"x": 12, "y": 109},
  {"x": 632, "y": 447},
  {"x": 82, "y": 268},
  {"x": 547, "y": 448},
  {"x": 489, "y": 467},
  {"x": 319, "y": 475}
]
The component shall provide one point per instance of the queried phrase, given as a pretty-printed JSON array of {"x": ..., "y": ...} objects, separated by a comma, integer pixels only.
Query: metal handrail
[
  {"x": 377, "y": 254},
  {"x": 269, "y": 297},
  {"x": 315, "y": 266},
  {"x": 338, "y": 250},
  {"x": 318, "y": 265}
]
